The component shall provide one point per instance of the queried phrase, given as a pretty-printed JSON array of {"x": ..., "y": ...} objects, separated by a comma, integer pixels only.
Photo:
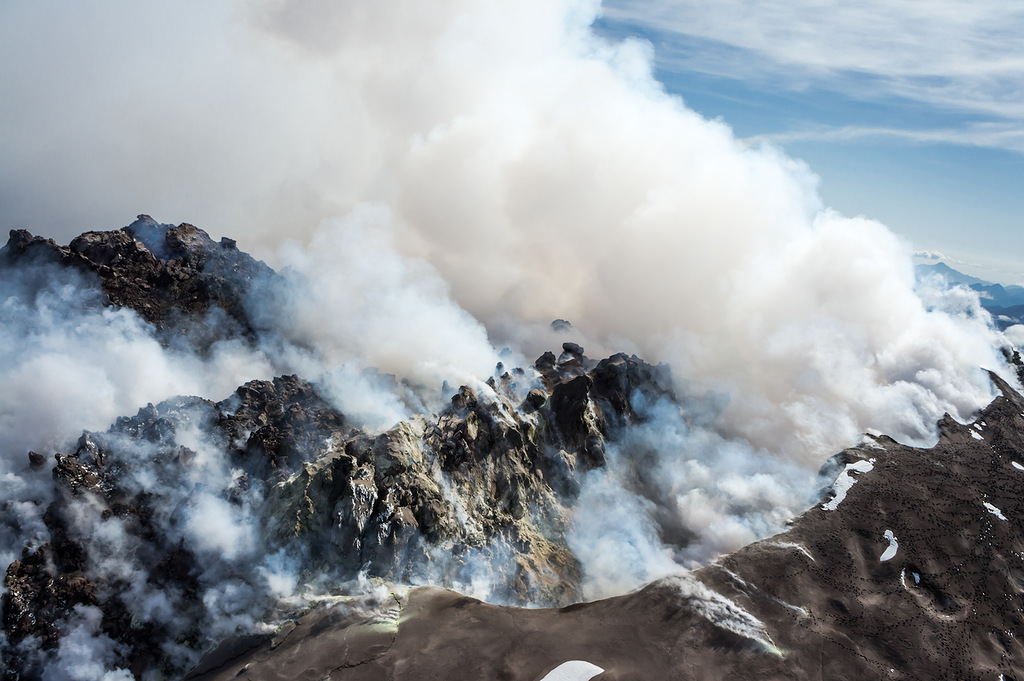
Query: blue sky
[{"x": 911, "y": 113}]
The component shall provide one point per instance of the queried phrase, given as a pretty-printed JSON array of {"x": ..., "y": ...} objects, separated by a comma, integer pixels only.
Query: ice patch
[
  {"x": 573, "y": 670},
  {"x": 913, "y": 575},
  {"x": 893, "y": 546},
  {"x": 1018, "y": 466},
  {"x": 844, "y": 481},
  {"x": 993, "y": 510}
]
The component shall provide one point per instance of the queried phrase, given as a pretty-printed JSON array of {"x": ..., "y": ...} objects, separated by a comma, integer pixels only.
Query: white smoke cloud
[
  {"x": 85, "y": 653},
  {"x": 560, "y": 181},
  {"x": 541, "y": 171},
  {"x": 1015, "y": 334},
  {"x": 351, "y": 299},
  {"x": 69, "y": 364},
  {"x": 367, "y": 399},
  {"x": 675, "y": 495}
]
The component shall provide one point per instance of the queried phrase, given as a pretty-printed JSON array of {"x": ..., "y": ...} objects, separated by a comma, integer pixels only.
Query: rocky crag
[
  {"x": 172, "y": 276},
  {"x": 485, "y": 483}
]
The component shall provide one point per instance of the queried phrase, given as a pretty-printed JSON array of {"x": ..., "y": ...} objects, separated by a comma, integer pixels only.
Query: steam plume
[{"x": 542, "y": 171}]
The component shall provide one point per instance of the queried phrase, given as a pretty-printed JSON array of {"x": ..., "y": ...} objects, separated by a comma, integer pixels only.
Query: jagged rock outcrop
[
  {"x": 44, "y": 586},
  {"x": 486, "y": 482},
  {"x": 141, "y": 479},
  {"x": 588, "y": 399},
  {"x": 466, "y": 486},
  {"x": 170, "y": 275}
]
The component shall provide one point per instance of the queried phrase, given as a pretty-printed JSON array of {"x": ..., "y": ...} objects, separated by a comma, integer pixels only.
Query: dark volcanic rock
[
  {"x": 283, "y": 423},
  {"x": 169, "y": 275},
  {"x": 587, "y": 405},
  {"x": 437, "y": 493},
  {"x": 828, "y": 599},
  {"x": 43, "y": 588},
  {"x": 136, "y": 476}
]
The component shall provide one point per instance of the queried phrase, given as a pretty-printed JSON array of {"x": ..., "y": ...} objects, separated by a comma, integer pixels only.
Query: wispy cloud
[
  {"x": 954, "y": 56},
  {"x": 995, "y": 135}
]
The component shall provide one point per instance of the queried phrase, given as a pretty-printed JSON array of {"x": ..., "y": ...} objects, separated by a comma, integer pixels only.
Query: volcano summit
[{"x": 324, "y": 521}]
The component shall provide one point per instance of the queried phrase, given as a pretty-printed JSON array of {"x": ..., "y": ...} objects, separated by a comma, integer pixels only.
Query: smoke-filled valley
[{"x": 525, "y": 327}]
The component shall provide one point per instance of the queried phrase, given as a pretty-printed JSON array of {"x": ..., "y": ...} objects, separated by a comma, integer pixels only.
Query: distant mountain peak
[
  {"x": 1006, "y": 303},
  {"x": 951, "y": 275}
]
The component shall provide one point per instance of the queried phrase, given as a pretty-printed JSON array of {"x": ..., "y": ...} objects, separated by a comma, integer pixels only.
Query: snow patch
[
  {"x": 573, "y": 670},
  {"x": 844, "y": 481},
  {"x": 1018, "y": 466},
  {"x": 993, "y": 510},
  {"x": 976, "y": 436},
  {"x": 890, "y": 552}
]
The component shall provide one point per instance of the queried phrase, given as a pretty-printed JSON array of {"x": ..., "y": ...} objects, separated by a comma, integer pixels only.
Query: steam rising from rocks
[
  {"x": 690, "y": 495},
  {"x": 350, "y": 299}
]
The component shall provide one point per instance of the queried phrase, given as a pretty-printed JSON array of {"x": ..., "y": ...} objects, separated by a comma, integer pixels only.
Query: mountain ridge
[{"x": 1006, "y": 303}]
